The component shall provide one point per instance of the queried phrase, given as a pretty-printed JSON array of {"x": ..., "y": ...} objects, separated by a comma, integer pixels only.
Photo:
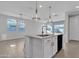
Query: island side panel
[{"x": 37, "y": 48}]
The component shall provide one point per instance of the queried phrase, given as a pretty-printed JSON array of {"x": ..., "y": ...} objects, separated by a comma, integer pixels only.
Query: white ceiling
[{"x": 27, "y": 8}]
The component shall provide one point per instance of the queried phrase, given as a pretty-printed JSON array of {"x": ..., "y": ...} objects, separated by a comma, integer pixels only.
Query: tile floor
[
  {"x": 71, "y": 50},
  {"x": 6, "y": 50},
  {"x": 11, "y": 48}
]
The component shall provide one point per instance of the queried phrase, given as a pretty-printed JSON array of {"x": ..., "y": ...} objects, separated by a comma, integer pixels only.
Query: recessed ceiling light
[
  {"x": 12, "y": 45},
  {"x": 40, "y": 6},
  {"x": 76, "y": 6}
]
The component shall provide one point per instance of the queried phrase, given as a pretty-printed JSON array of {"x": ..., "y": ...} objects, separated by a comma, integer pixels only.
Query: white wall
[
  {"x": 32, "y": 27},
  {"x": 65, "y": 37}
]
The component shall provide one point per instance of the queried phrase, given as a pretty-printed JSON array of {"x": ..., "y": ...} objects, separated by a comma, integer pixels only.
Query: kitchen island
[
  {"x": 41, "y": 46},
  {"x": 32, "y": 46}
]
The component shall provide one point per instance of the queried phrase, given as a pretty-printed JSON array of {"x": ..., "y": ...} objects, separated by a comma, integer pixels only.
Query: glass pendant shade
[{"x": 36, "y": 18}]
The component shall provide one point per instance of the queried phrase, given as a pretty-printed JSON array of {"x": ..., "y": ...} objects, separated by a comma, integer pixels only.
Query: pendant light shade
[
  {"x": 49, "y": 21},
  {"x": 36, "y": 15}
]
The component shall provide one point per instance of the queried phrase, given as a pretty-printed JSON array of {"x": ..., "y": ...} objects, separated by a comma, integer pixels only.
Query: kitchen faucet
[{"x": 43, "y": 29}]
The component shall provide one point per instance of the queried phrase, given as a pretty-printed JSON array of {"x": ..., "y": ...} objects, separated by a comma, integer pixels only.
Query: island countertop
[{"x": 42, "y": 37}]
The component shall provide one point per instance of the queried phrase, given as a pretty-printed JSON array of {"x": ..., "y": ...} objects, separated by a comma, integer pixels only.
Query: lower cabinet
[
  {"x": 55, "y": 45},
  {"x": 42, "y": 47},
  {"x": 48, "y": 47}
]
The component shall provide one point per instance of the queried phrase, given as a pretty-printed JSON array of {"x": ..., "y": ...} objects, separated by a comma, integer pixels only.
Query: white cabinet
[
  {"x": 48, "y": 47},
  {"x": 34, "y": 49},
  {"x": 55, "y": 45},
  {"x": 42, "y": 47},
  {"x": 37, "y": 48}
]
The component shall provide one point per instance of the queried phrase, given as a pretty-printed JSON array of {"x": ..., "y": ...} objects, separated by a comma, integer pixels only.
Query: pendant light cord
[
  {"x": 36, "y": 11},
  {"x": 50, "y": 12},
  {"x": 36, "y": 8},
  {"x": 21, "y": 15}
]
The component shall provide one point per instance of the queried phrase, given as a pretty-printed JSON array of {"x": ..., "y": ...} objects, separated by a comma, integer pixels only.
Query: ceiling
[{"x": 27, "y": 8}]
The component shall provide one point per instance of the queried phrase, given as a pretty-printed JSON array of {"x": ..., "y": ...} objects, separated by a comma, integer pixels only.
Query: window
[
  {"x": 21, "y": 26},
  {"x": 49, "y": 29},
  {"x": 58, "y": 27},
  {"x": 11, "y": 24}
]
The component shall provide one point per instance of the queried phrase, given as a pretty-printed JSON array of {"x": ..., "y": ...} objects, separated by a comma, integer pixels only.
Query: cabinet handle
[{"x": 52, "y": 43}]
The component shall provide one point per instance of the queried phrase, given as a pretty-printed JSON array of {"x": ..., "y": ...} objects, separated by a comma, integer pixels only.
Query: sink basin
[{"x": 43, "y": 35}]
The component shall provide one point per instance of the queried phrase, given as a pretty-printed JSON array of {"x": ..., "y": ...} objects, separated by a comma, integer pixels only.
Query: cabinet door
[
  {"x": 55, "y": 45},
  {"x": 48, "y": 48}
]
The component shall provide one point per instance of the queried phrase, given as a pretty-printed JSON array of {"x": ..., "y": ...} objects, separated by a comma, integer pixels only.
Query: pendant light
[
  {"x": 36, "y": 14},
  {"x": 49, "y": 20}
]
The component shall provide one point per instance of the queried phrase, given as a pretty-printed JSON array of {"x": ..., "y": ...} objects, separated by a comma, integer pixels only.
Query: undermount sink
[{"x": 43, "y": 35}]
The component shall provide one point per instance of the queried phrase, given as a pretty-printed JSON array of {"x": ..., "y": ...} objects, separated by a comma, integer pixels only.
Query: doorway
[{"x": 73, "y": 28}]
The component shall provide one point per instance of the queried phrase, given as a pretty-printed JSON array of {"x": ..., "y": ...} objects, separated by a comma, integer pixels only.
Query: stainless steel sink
[{"x": 43, "y": 35}]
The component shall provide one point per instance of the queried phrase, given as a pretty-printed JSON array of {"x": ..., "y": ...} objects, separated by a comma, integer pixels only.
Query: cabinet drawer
[{"x": 48, "y": 48}]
